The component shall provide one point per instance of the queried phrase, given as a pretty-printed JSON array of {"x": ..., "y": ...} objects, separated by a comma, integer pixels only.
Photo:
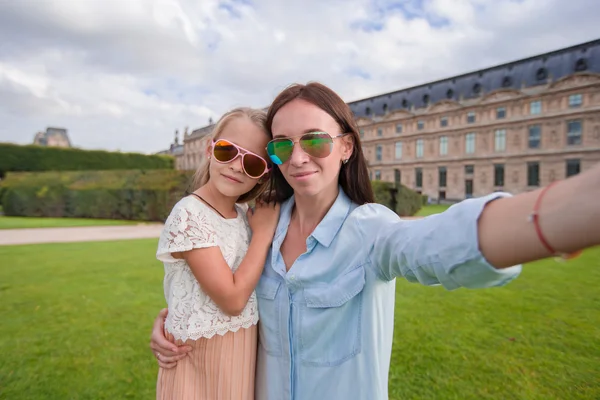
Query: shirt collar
[{"x": 325, "y": 232}]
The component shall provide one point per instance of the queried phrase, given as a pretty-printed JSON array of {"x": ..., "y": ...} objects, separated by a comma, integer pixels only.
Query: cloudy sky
[{"x": 124, "y": 74}]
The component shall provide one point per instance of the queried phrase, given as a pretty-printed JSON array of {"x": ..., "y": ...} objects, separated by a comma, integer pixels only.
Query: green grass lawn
[
  {"x": 32, "y": 222},
  {"x": 431, "y": 209},
  {"x": 76, "y": 321}
]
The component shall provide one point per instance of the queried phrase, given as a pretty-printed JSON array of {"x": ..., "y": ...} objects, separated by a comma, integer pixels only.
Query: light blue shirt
[{"x": 326, "y": 326}]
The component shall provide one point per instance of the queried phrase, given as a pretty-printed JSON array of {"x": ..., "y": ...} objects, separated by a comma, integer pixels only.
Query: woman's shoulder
[
  {"x": 243, "y": 207},
  {"x": 369, "y": 218},
  {"x": 372, "y": 213}
]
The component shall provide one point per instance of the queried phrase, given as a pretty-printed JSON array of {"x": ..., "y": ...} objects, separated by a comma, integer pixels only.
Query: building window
[
  {"x": 574, "y": 132},
  {"x": 362, "y": 133},
  {"x": 442, "y": 175},
  {"x": 418, "y": 177},
  {"x": 468, "y": 188},
  {"x": 398, "y": 128},
  {"x": 499, "y": 175},
  {"x": 535, "y": 136},
  {"x": 573, "y": 167},
  {"x": 370, "y": 175},
  {"x": 533, "y": 174},
  {"x": 470, "y": 143},
  {"x": 535, "y": 107},
  {"x": 419, "y": 148},
  {"x": 444, "y": 122},
  {"x": 469, "y": 169},
  {"x": 443, "y": 145},
  {"x": 377, "y": 175},
  {"x": 379, "y": 132},
  {"x": 500, "y": 112},
  {"x": 425, "y": 100},
  {"x": 471, "y": 117},
  {"x": 575, "y": 100},
  {"x": 541, "y": 74},
  {"x": 500, "y": 140},
  {"x": 398, "y": 150},
  {"x": 581, "y": 65},
  {"x": 397, "y": 177},
  {"x": 420, "y": 125},
  {"x": 368, "y": 110},
  {"x": 378, "y": 152}
]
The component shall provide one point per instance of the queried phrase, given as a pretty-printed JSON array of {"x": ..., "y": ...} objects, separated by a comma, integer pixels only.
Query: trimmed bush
[
  {"x": 15, "y": 158},
  {"x": 408, "y": 202},
  {"x": 132, "y": 194}
]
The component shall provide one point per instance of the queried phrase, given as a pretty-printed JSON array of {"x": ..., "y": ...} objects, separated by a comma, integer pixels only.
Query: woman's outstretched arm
[
  {"x": 568, "y": 220},
  {"x": 475, "y": 242}
]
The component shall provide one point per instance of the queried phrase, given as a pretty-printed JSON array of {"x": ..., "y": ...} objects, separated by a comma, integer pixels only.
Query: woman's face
[{"x": 307, "y": 175}]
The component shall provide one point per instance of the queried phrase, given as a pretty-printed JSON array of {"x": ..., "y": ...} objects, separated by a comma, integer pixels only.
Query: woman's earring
[{"x": 345, "y": 161}]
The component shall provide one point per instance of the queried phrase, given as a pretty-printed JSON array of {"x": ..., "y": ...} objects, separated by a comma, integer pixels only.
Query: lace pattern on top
[{"x": 192, "y": 313}]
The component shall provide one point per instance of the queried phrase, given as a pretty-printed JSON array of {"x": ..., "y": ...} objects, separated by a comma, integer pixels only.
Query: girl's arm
[{"x": 230, "y": 291}]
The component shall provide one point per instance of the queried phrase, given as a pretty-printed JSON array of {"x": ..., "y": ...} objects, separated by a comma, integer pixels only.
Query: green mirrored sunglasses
[{"x": 315, "y": 144}]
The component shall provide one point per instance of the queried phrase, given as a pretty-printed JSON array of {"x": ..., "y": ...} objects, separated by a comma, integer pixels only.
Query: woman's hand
[{"x": 167, "y": 353}]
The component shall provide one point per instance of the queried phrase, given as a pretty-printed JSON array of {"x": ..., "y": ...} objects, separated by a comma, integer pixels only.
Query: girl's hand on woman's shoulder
[{"x": 263, "y": 219}]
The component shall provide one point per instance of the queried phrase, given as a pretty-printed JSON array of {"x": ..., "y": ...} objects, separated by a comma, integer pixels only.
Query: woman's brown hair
[
  {"x": 354, "y": 176},
  {"x": 202, "y": 174}
]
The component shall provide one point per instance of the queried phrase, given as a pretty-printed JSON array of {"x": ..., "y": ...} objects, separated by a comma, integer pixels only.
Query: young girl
[{"x": 213, "y": 263}]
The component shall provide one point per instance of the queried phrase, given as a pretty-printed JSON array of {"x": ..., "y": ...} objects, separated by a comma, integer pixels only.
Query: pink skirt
[{"x": 222, "y": 367}]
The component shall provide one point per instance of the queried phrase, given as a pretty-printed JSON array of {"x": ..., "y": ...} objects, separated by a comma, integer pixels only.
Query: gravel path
[{"x": 78, "y": 234}]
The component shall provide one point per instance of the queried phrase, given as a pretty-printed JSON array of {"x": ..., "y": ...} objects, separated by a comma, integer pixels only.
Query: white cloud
[{"x": 126, "y": 74}]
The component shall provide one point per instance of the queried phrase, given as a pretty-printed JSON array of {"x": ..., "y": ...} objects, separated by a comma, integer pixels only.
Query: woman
[{"x": 326, "y": 296}]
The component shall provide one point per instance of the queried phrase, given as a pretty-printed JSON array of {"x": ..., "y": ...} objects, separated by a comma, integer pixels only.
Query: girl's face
[
  {"x": 309, "y": 175},
  {"x": 229, "y": 178}
]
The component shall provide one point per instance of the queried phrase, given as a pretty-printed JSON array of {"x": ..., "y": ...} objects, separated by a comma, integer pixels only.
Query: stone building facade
[
  {"x": 175, "y": 150},
  {"x": 194, "y": 147},
  {"x": 53, "y": 137},
  {"x": 481, "y": 132}
]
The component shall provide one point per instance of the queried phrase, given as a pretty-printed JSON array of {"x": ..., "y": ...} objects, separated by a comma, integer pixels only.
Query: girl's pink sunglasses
[{"x": 225, "y": 152}]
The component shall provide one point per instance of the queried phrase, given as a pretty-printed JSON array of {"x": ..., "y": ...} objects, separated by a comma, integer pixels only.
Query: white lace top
[{"x": 193, "y": 225}]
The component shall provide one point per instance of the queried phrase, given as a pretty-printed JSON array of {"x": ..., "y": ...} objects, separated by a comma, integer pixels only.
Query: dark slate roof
[
  {"x": 527, "y": 72},
  {"x": 200, "y": 132}
]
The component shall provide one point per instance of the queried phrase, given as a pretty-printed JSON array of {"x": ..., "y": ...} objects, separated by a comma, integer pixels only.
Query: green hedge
[
  {"x": 408, "y": 202},
  {"x": 141, "y": 195},
  {"x": 130, "y": 194},
  {"x": 37, "y": 158}
]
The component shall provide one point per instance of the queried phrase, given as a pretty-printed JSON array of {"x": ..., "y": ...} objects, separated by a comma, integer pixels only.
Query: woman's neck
[
  {"x": 223, "y": 204},
  {"x": 309, "y": 211}
]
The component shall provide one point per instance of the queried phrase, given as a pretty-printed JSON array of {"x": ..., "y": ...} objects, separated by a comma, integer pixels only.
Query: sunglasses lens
[
  {"x": 280, "y": 150},
  {"x": 317, "y": 144},
  {"x": 224, "y": 151},
  {"x": 254, "y": 166}
]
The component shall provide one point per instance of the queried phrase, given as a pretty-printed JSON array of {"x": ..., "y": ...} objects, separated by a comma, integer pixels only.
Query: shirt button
[{"x": 292, "y": 278}]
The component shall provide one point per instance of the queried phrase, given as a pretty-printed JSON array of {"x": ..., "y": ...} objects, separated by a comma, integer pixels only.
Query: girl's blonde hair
[{"x": 202, "y": 174}]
